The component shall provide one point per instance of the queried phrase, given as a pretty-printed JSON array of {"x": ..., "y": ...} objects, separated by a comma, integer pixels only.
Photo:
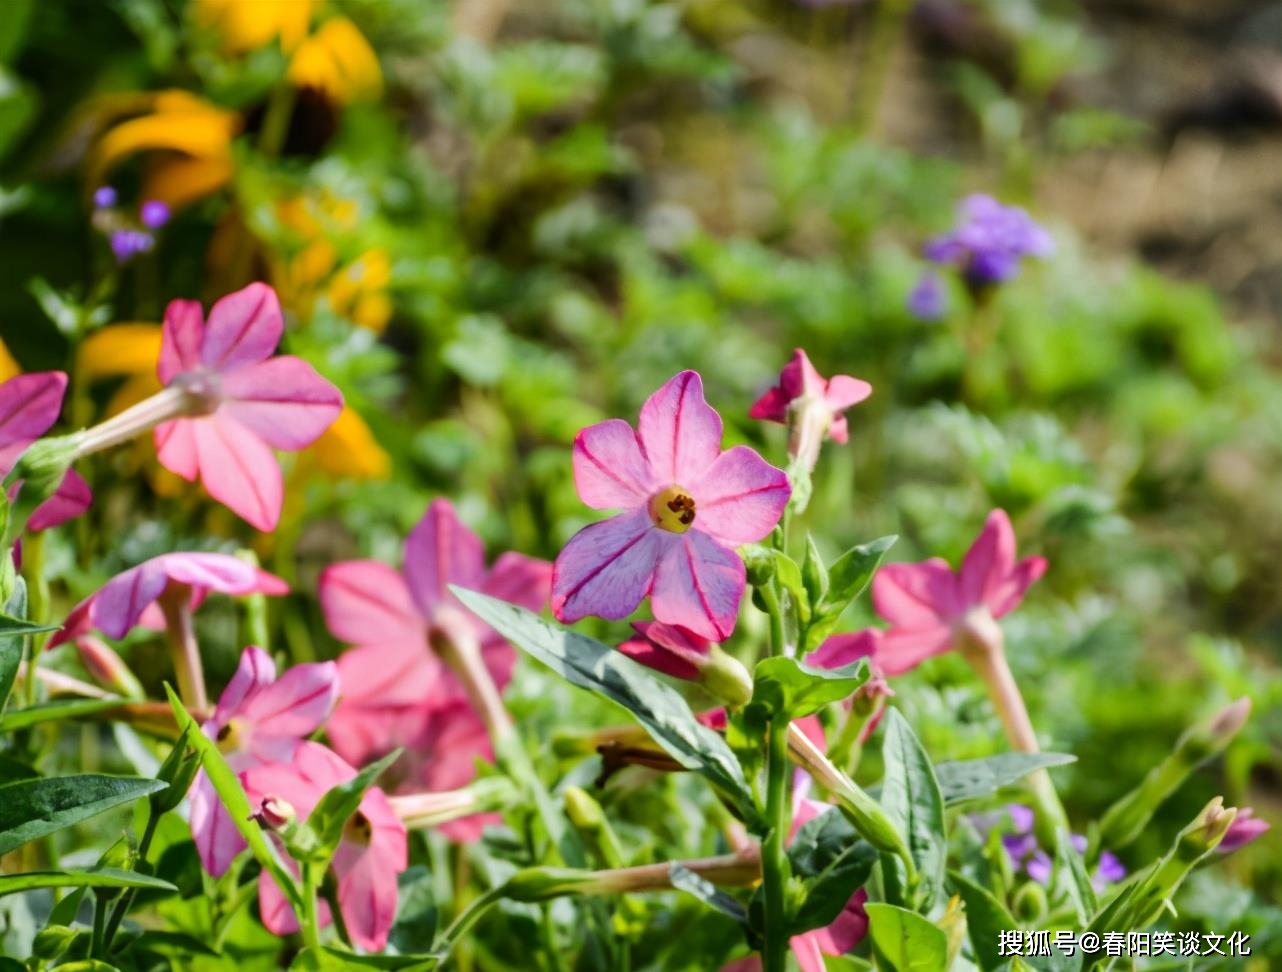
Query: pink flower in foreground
[
  {"x": 259, "y": 719},
  {"x": 396, "y": 690},
  {"x": 1246, "y": 827},
  {"x": 29, "y": 405},
  {"x": 811, "y": 404},
  {"x": 931, "y": 608},
  {"x": 686, "y": 504},
  {"x": 370, "y": 857},
  {"x": 129, "y": 598},
  {"x": 249, "y": 402}
]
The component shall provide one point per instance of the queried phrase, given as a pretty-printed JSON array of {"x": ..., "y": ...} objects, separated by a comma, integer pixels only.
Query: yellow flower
[
  {"x": 189, "y": 141},
  {"x": 8, "y": 367},
  {"x": 348, "y": 449},
  {"x": 338, "y": 60},
  {"x": 359, "y": 290},
  {"x": 246, "y": 25}
]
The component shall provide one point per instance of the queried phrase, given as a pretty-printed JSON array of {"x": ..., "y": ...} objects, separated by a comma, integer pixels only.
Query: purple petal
[
  {"x": 610, "y": 471},
  {"x": 296, "y": 704},
  {"x": 72, "y": 497},
  {"x": 217, "y": 839},
  {"x": 698, "y": 586},
  {"x": 254, "y": 672},
  {"x": 607, "y": 567},
  {"x": 29, "y": 404},
  {"x": 679, "y": 432},
  {"x": 740, "y": 497}
]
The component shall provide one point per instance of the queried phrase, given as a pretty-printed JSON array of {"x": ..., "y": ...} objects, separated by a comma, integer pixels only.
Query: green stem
[
  {"x": 127, "y": 899},
  {"x": 33, "y": 555},
  {"x": 244, "y": 894},
  {"x": 311, "y": 912},
  {"x": 99, "y": 920},
  {"x": 774, "y": 862},
  {"x": 469, "y": 917}
]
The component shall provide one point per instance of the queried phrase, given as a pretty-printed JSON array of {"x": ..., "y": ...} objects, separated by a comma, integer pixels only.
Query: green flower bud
[{"x": 178, "y": 770}]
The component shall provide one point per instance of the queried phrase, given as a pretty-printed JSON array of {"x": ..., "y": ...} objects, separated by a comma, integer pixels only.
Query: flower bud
[
  {"x": 107, "y": 668},
  {"x": 1029, "y": 903},
  {"x": 41, "y": 470},
  {"x": 1245, "y": 828},
  {"x": 50, "y": 943},
  {"x": 276, "y": 813},
  {"x": 178, "y": 770}
]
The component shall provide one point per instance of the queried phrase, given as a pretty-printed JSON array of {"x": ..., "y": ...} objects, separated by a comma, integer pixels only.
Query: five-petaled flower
[
  {"x": 932, "y": 609},
  {"x": 243, "y": 401},
  {"x": 130, "y": 598},
  {"x": 29, "y": 405},
  {"x": 370, "y": 857},
  {"x": 686, "y": 504},
  {"x": 259, "y": 719},
  {"x": 810, "y": 405},
  {"x": 396, "y": 690}
]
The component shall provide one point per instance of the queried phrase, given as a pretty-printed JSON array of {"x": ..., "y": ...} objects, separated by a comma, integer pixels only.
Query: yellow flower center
[
  {"x": 672, "y": 509},
  {"x": 229, "y": 737},
  {"x": 358, "y": 829}
]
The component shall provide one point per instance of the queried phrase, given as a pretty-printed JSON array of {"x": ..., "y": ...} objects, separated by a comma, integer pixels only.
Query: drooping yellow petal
[
  {"x": 338, "y": 60},
  {"x": 348, "y": 450},
  {"x": 120, "y": 349},
  {"x": 178, "y": 181},
  {"x": 8, "y": 367},
  {"x": 246, "y": 25}
]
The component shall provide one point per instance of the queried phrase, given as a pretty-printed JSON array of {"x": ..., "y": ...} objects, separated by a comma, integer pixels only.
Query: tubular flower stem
[
  {"x": 167, "y": 404},
  {"x": 419, "y": 811},
  {"x": 175, "y": 604},
  {"x": 741, "y": 869},
  {"x": 458, "y": 646}
]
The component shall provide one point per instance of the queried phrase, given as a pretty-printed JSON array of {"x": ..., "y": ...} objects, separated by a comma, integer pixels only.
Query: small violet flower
[
  {"x": 810, "y": 405},
  {"x": 1027, "y": 856},
  {"x": 242, "y": 401},
  {"x": 927, "y": 301},
  {"x": 129, "y": 243},
  {"x": 686, "y": 504},
  {"x": 259, "y": 719},
  {"x": 370, "y": 857},
  {"x": 932, "y": 609},
  {"x": 129, "y": 598},
  {"x": 104, "y": 197},
  {"x": 989, "y": 243},
  {"x": 29, "y": 405},
  {"x": 396, "y": 690},
  {"x": 1246, "y": 827},
  {"x": 154, "y": 214}
]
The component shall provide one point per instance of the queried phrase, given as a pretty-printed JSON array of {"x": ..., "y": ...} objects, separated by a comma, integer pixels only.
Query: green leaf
[
  {"x": 230, "y": 792},
  {"x": 1071, "y": 877},
  {"x": 332, "y": 960},
  {"x": 416, "y": 913},
  {"x": 684, "y": 879},
  {"x": 971, "y": 779},
  {"x": 833, "y": 862},
  {"x": 11, "y": 642},
  {"x": 904, "y": 941},
  {"x": 852, "y": 572},
  {"x": 986, "y": 918},
  {"x": 12, "y": 770},
  {"x": 789, "y": 575},
  {"x": 911, "y": 798},
  {"x": 167, "y": 943},
  {"x": 58, "y": 711},
  {"x": 814, "y": 575},
  {"x": 11, "y": 627},
  {"x": 33, "y": 808},
  {"x": 336, "y": 807},
  {"x": 792, "y": 689},
  {"x": 589, "y": 664},
  {"x": 90, "y": 877},
  {"x": 14, "y": 17}
]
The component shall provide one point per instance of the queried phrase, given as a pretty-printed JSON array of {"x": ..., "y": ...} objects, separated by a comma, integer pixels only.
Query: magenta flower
[
  {"x": 931, "y": 608},
  {"x": 369, "y": 859},
  {"x": 245, "y": 401},
  {"x": 259, "y": 719},
  {"x": 129, "y": 599},
  {"x": 686, "y": 504},
  {"x": 1246, "y": 827},
  {"x": 395, "y": 688},
  {"x": 29, "y": 405},
  {"x": 803, "y": 391}
]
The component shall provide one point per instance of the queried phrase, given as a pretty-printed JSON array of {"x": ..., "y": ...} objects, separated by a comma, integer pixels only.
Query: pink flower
[
  {"x": 668, "y": 648},
  {"x": 802, "y": 389},
  {"x": 29, "y": 405},
  {"x": 370, "y": 857},
  {"x": 686, "y": 504},
  {"x": 129, "y": 599},
  {"x": 1246, "y": 827},
  {"x": 396, "y": 691},
  {"x": 250, "y": 402},
  {"x": 930, "y": 608},
  {"x": 259, "y": 719}
]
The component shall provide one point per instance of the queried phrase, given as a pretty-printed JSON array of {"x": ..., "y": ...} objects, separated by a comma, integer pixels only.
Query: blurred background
[{"x": 492, "y": 223}]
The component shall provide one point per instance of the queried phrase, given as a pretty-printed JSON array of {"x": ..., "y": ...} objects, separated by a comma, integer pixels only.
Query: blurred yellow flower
[
  {"x": 338, "y": 60},
  {"x": 190, "y": 141},
  {"x": 8, "y": 367},
  {"x": 347, "y": 449},
  {"x": 246, "y": 25}
]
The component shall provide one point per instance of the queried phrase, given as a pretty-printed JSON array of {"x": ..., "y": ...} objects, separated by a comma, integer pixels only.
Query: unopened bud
[
  {"x": 178, "y": 770},
  {"x": 120, "y": 856},
  {"x": 725, "y": 678},
  {"x": 107, "y": 668},
  {"x": 1029, "y": 903},
  {"x": 276, "y": 813},
  {"x": 1205, "y": 833},
  {"x": 1211, "y": 736},
  {"x": 584, "y": 812},
  {"x": 760, "y": 563},
  {"x": 42, "y": 468},
  {"x": 1245, "y": 828}
]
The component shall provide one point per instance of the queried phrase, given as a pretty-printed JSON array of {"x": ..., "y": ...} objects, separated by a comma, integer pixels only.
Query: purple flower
[
  {"x": 154, "y": 214},
  {"x": 1246, "y": 827},
  {"x": 927, "y": 299},
  {"x": 1027, "y": 856},
  {"x": 990, "y": 242},
  {"x": 104, "y": 197},
  {"x": 128, "y": 243}
]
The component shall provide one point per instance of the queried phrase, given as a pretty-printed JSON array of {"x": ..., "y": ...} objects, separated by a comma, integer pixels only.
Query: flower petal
[
  {"x": 610, "y": 471},
  {"x": 239, "y": 470},
  {"x": 367, "y": 885},
  {"x": 296, "y": 704},
  {"x": 679, "y": 432},
  {"x": 244, "y": 328},
  {"x": 606, "y": 568},
  {"x": 521, "y": 580},
  {"x": 72, "y": 497},
  {"x": 176, "y": 448},
  {"x": 771, "y": 406},
  {"x": 989, "y": 559},
  {"x": 180, "y": 340},
  {"x": 1005, "y": 597},
  {"x": 440, "y": 551},
  {"x": 903, "y": 650},
  {"x": 29, "y": 404},
  {"x": 915, "y": 595},
  {"x": 215, "y": 834},
  {"x": 254, "y": 672},
  {"x": 845, "y": 391},
  {"x": 283, "y": 400},
  {"x": 367, "y": 602},
  {"x": 844, "y": 649},
  {"x": 740, "y": 497},
  {"x": 117, "y": 606},
  {"x": 698, "y": 585}
]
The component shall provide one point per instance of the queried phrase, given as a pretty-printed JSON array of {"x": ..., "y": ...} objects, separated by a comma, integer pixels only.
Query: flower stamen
[{"x": 672, "y": 509}]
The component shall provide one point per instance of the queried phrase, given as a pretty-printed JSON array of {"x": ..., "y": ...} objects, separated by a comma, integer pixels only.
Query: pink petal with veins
[
  {"x": 283, "y": 400},
  {"x": 679, "y": 432}
]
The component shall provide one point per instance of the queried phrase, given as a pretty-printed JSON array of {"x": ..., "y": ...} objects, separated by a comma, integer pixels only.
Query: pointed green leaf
[
  {"x": 589, "y": 664},
  {"x": 904, "y": 941},
  {"x": 59, "y": 711},
  {"x": 986, "y": 918},
  {"x": 971, "y": 779},
  {"x": 34, "y": 808},
  {"x": 833, "y": 862},
  {"x": 11, "y": 643},
  {"x": 787, "y": 687},
  {"x": 852, "y": 572},
  {"x": 911, "y": 798},
  {"x": 335, "y": 808},
  {"x": 90, "y": 877},
  {"x": 1071, "y": 877},
  {"x": 684, "y": 879}
]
